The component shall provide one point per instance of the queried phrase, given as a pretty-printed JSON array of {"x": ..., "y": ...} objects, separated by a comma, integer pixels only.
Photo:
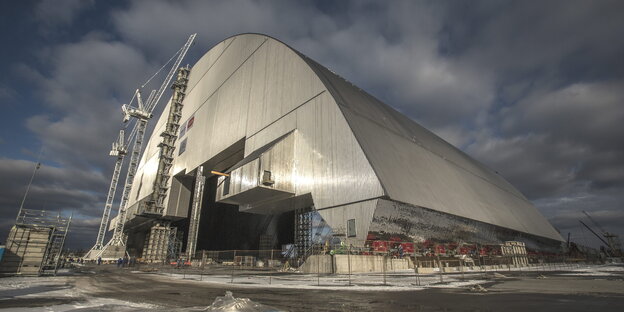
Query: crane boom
[
  {"x": 594, "y": 222},
  {"x": 151, "y": 105},
  {"x": 593, "y": 232}
]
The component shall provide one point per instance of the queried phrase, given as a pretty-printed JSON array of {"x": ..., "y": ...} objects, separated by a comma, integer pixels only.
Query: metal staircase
[{"x": 51, "y": 261}]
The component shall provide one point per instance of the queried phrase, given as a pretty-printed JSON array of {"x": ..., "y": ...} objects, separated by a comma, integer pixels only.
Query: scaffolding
[
  {"x": 161, "y": 243},
  {"x": 198, "y": 194},
  {"x": 155, "y": 206},
  {"x": 35, "y": 243},
  {"x": 174, "y": 244},
  {"x": 303, "y": 232}
]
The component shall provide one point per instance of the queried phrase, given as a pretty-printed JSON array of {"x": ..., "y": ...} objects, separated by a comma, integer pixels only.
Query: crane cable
[
  {"x": 134, "y": 129},
  {"x": 161, "y": 68}
]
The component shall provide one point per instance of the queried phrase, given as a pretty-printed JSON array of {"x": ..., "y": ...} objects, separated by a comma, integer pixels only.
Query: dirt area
[{"x": 139, "y": 291}]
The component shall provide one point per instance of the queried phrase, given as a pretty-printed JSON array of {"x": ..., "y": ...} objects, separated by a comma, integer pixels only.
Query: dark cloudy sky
[{"x": 534, "y": 89}]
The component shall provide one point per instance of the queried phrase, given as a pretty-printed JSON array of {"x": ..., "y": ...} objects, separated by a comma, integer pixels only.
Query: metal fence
[{"x": 269, "y": 266}]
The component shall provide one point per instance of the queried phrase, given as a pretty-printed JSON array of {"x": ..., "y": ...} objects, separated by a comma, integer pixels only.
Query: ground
[{"x": 108, "y": 288}]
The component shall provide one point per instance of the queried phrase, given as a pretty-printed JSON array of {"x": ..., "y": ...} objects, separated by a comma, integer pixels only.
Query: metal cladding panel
[
  {"x": 207, "y": 61},
  {"x": 417, "y": 167},
  {"x": 362, "y": 212},
  {"x": 279, "y": 161},
  {"x": 179, "y": 198},
  {"x": 217, "y": 103},
  {"x": 275, "y": 130},
  {"x": 265, "y": 81},
  {"x": 206, "y": 77},
  {"x": 143, "y": 182},
  {"x": 242, "y": 179},
  {"x": 260, "y": 92},
  {"x": 328, "y": 162},
  {"x": 281, "y": 82},
  {"x": 363, "y": 104}
]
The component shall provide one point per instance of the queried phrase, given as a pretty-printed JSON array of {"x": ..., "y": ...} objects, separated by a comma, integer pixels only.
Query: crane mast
[
  {"x": 118, "y": 237},
  {"x": 142, "y": 117},
  {"x": 118, "y": 150}
]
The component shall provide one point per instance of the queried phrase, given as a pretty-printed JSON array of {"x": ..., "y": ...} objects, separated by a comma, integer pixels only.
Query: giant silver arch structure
[{"x": 295, "y": 137}]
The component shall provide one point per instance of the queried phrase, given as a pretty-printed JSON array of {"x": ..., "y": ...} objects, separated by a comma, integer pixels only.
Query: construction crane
[
  {"x": 118, "y": 150},
  {"x": 142, "y": 113},
  {"x": 612, "y": 240}
]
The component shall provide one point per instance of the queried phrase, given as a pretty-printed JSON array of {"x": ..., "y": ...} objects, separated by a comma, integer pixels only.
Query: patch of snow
[
  {"x": 58, "y": 287},
  {"x": 359, "y": 282},
  {"x": 587, "y": 274},
  {"x": 229, "y": 303},
  {"x": 93, "y": 304}
]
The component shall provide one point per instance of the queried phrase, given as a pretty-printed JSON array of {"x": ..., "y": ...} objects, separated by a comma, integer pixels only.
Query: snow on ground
[
  {"x": 596, "y": 270},
  {"x": 55, "y": 287},
  {"x": 393, "y": 281},
  {"x": 400, "y": 281},
  {"x": 60, "y": 287},
  {"x": 94, "y": 304},
  {"x": 29, "y": 285}
]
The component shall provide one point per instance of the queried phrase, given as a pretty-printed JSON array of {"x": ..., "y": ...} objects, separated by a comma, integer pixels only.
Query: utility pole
[{"x": 37, "y": 166}]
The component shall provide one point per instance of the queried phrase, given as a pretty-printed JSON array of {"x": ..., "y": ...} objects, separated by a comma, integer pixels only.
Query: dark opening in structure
[{"x": 223, "y": 227}]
